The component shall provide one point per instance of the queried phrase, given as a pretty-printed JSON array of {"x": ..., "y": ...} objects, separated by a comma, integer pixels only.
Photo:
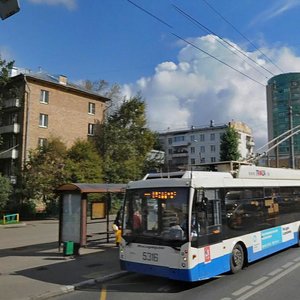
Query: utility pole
[{"x": 292, "y": 151}]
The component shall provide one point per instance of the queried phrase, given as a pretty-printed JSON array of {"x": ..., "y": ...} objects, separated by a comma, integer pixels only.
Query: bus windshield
[{"x": 156, "y": 215}]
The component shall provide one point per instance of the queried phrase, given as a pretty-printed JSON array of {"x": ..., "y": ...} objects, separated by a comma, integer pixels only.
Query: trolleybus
[{"x": 195, "y": 225}]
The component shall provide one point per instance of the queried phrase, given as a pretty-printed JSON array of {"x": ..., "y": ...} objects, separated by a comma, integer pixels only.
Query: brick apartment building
[{"x": 47, "y": 106}]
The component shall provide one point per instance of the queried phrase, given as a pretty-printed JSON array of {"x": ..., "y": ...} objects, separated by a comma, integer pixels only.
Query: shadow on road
[{"x": 65, "y": 270}]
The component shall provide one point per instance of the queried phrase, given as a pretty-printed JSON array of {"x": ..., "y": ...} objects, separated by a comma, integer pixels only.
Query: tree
[
  {"x": 229, "y": 145},
  {"x": 53, "y": 165},
  {"x": 5, "y": 191},
  {"x": 6, "y": 89},
  {"x": 83, "y": 163},
  {"x": 110, "y": 91},
  {"x": 124, "y": 141},
  {"x": 44, "y": 173}
]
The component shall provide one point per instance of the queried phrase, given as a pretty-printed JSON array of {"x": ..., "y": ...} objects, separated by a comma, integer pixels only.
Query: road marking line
[
  {"x": 275, "y": 272},
  {"x": 269, "y": 282},
  {"x": 260, "y": 280},
  {"x": 103, "y": 293},
  {"x": 287, "y": 265},
  {"x": 242, "y": 290}
]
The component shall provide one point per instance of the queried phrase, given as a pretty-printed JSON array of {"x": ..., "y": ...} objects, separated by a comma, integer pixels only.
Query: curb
[
  {"x": 71, "y": 288},
  {"x": 16, "y": 225}
]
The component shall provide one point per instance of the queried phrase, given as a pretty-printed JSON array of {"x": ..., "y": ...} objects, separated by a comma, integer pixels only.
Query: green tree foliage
[
  {"x": 229, "y": 145},
  {"x": 44, "y": 172},
  {"x": 54, "y": 165},
  {"x": 5, "y": 191},
  {"x": 124, "y": 142},
  {"x": 83, "y": 163},
  {"x": 6, "y": 91}
]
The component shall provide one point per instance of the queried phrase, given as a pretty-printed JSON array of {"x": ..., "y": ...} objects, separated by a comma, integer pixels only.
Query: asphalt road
[{"x": 272, "y": 278}]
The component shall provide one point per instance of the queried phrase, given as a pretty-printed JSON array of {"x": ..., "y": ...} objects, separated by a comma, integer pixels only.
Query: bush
[{"x": 27, "y": 210}]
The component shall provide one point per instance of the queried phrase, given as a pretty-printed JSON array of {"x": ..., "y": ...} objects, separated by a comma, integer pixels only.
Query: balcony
[
  {"x": 12, "y": 103},
  {"x": 250, "y": 144},
  {"x": 10, "y": 153},
  {"x": 14, "y": 128},
  {"x": 180, "y": 143},
  {"x": 180, "y": 154}
]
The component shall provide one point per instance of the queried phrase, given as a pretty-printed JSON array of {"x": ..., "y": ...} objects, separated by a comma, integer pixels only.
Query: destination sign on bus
[{"x": 161, "y": 194}]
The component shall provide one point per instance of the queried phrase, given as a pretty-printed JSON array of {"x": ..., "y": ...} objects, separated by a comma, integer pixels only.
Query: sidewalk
[{"x": 31, "y": 267}]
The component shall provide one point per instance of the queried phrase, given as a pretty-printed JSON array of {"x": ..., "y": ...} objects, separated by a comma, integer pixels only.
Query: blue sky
[{"x": 116, "y": 41}]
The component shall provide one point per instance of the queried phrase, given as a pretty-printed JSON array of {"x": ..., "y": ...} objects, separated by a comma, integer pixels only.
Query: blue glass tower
[{"x": 283, "y": 107}]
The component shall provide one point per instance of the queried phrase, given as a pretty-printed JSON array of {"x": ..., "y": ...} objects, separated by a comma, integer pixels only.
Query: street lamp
[{"x": 8, "y": 8}]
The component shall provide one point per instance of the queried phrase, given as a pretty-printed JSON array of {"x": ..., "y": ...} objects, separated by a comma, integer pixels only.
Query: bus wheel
[{"x": 237, "y": 258}]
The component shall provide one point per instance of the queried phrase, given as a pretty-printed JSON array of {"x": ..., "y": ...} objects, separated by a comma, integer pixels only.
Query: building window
[
  {"x": 192, "y": 150},
  {"x": 42, "y": 142},
  {"x": 178, "y": 138},
  {"x": 193, "y": 138},
  {"x": 170, "y": 141},
  {"x": 43, "y": 120},
  {"x": 202, "y": 149},
  {"x": 92, "y": 108},
  {"x": 212, "y": 159},
  {"x": 202, "y": 137},
  {"x": 170, "y": 151},
  {"x": 44, "y": 97},
  {"x": 192, "y": 161},
  {"x": 212, "y": 136},
  {"x": 91, "y": 129},
  {"x": 212, "y": 148}
]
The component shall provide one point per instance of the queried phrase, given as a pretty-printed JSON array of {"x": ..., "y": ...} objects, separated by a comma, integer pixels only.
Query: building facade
[
  {"x": 283, "y": 107},
  {"x": 45, "y": 107},
  {"x": 201, "y": 145}
]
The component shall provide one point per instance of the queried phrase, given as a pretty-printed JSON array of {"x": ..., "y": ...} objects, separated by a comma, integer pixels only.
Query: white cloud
[
  {"x": 197, "y": 88},
  {"x": 70, "y": 4},
  {"x": 278, "y": 8},
  {"x": 5, "y": 53}
]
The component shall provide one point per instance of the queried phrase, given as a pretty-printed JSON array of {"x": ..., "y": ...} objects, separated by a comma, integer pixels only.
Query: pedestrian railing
[{"x": 11, "y": 219}]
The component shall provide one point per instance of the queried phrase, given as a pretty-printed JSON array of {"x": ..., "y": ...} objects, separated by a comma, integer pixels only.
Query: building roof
[{"x": 55, "y": 79}]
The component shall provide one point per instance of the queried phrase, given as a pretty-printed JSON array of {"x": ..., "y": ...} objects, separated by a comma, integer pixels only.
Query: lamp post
[{"x": 8, "y": 8}]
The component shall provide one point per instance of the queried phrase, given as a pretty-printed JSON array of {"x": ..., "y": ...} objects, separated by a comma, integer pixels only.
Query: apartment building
[
  {"x": 200, "y": 145},
  {"x": 46, "y": 106}
]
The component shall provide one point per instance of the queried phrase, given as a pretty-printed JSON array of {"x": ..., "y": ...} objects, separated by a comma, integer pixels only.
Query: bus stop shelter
[{"x": 73, "y": 209}]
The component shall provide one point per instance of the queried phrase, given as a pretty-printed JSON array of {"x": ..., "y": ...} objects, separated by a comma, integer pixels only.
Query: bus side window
[{"x": 213, "y": 211}]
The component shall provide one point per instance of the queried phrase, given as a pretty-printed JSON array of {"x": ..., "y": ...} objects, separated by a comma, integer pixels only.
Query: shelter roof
[{"x": 93, "y": 187}]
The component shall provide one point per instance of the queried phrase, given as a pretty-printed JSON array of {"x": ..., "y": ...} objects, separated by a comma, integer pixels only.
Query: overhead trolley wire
[
  {"x": 188, "y": 16},
  {"x": 219, "y": 60},
  {"x": 193, "y": 45},
  {"x": 241, "y": 34},
  {"x": 150, "y": 14}
]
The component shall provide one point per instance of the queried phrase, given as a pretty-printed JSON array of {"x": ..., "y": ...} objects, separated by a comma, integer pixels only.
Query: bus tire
[{"x": 237, "y": 259}]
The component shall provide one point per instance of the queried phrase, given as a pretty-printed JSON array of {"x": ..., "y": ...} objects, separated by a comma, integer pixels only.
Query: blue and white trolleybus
[{"x": 195, "y": 225}]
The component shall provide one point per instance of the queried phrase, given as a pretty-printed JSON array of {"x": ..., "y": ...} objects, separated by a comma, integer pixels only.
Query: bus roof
[{"x": 245, "y": 176}]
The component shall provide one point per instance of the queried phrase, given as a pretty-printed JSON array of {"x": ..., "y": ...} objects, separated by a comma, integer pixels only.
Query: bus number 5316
[{"x": 150, "y": 256}]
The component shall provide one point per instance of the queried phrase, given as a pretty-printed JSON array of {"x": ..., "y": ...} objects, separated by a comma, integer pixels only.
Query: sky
[{"x": 192, "y": 60}]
